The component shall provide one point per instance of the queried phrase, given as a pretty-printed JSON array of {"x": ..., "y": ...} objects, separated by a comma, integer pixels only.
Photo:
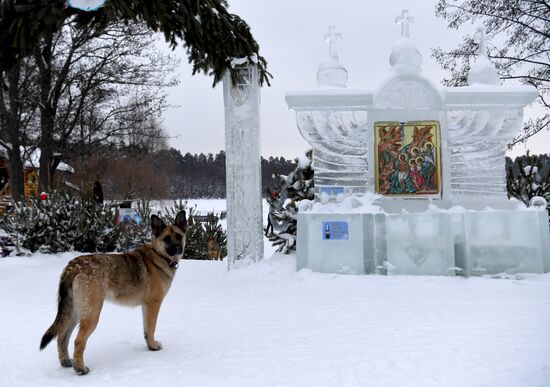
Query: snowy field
[{"x": 268, "y": 325}]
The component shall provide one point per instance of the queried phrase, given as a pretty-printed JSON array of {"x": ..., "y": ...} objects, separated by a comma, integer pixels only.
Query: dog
[
  {"x": 214, "y": 251},
  {"x": 139, "y": 277}
]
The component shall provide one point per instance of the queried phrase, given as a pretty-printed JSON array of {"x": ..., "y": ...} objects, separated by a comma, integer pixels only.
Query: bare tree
[
  {"x": 520, "y": 31},
  {"x": 140, "y": 129},
  {"x": 85, "y": 77},
  {"x": 210, "y": 35}
]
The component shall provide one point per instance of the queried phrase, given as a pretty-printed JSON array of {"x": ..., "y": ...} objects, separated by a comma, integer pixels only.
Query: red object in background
[
  {"x": 274, "y": 195},
  {"x": 43, "y": 196}
]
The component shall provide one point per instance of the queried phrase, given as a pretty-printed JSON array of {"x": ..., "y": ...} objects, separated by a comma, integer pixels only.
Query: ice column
[{"x": 243, "y": 170}]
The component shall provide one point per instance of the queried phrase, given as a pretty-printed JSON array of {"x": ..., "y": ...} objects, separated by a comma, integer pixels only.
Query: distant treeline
[
  {"x": 165, "y": 174},
  {"x": 203, "y": 176}
]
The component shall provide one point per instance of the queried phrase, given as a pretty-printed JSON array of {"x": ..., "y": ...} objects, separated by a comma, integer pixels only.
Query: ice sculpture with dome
[{"x": 410, "y": 176}]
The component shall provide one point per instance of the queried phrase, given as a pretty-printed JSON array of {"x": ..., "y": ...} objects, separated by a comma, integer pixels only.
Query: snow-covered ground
[{"x": 268, "y": 325}]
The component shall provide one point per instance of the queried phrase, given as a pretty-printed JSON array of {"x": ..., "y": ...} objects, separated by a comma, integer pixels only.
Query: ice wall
[
  {"x": 453, "y": 242},
  {"x": 477, "y": 147},
  {"x": 339, "y": 140}
]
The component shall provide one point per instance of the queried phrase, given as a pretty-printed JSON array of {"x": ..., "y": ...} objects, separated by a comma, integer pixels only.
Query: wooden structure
[{"x": 30, "y": 179}]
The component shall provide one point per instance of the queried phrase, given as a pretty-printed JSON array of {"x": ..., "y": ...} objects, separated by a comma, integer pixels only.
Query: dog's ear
[
  {"x": 181, "y": 220},
  {"x": 157, "y": 225}
]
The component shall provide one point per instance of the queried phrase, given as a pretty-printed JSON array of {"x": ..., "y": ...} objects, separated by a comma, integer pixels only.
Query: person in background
[{"x": 97, "y": 192}]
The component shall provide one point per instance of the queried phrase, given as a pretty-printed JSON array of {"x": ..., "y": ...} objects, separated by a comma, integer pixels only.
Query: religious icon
[{"x": 408, "y": 158}]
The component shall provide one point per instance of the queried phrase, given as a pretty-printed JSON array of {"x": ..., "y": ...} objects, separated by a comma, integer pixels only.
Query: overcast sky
[{"x": 291, "y": 37}]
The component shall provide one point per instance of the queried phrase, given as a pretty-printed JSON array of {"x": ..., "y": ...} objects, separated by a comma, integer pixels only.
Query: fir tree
[
  {"x": 97, "y": 229},
  {"x": 283, "y": 199},
  {"x": 195, "y": 246},
  {"x": 210, "y": 34},
  {"x": 198, "y": 235}
]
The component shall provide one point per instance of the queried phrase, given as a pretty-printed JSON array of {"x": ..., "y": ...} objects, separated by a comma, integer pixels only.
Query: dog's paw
[
  {"x": 154, "y": 346},
  {"x": 81, "y": 370},
  {"x": 66, "y": 363}
]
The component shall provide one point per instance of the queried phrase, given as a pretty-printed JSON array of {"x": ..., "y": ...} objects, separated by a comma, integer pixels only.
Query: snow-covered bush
[
  {"x": 529, "y": 177},
  {"x": 196, "y": 245},
  {"x": 63, "y": 222},
  {"x": 6, "y": 245},
  {"x": 134, "y": 233},
  {"x": 96, "y": 230},
  {"x": 198, "y": 234},
  {"x": 283, "y": 202}
]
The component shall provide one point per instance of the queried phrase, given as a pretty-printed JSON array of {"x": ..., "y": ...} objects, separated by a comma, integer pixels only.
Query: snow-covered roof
[{"x": 33, "y": 161}]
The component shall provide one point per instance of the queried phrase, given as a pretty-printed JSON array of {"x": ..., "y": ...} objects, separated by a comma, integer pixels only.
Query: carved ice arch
[{"x": 408, "y": 93}]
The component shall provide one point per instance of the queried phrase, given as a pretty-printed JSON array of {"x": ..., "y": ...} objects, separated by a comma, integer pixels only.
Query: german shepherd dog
[{"x": 139, "y": 277}]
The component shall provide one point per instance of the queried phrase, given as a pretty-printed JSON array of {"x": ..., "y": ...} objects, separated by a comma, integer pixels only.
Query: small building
[{"x": 30, "y": 175}]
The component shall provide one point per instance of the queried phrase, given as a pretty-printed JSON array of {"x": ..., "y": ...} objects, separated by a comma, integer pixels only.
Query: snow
[
  {"x": 303, "y": 162},
  {"x": 405, "y": 57},
  {"x": 33, "y": 161},
  {"x": 483, "y": 72},
  {"x": 268, "y": 325},
  {"x": 239, "y": 61},
  {"x": 86, "y": 5},
  {"x": 527, "y": 170},
  {"x": 538, "y": 202}
]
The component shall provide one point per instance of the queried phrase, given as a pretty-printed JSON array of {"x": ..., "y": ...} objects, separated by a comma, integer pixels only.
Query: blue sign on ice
[
  {"x": 331, "y": 190},
  {"x": 335, "y": 230}
]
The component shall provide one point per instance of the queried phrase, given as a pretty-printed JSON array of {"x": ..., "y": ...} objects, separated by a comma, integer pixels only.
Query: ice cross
[
  {"x": 481, "y": 38},
  {"x": 332, "y": 37},
  {"x": 404, "y": 20}
]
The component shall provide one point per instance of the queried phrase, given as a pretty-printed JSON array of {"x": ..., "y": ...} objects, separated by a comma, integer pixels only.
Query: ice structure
[
  {"x": 243, "y": 170},
  {"x": 465, "y": 223}
]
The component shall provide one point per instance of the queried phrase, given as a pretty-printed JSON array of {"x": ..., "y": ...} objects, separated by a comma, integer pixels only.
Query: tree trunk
[
  {"x": 10, "y": 104},
  {"x": 43, "y": 57},
  {"x": 44, "y": 175},
  {"x": 17, "y": 183}
]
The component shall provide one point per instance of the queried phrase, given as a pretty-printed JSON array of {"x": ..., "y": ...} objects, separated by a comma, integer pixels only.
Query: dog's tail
[{"x": 64, "y": 311}]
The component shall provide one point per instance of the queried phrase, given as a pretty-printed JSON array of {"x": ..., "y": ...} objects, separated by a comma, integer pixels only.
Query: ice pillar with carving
[{"x": 243, "y": 169}]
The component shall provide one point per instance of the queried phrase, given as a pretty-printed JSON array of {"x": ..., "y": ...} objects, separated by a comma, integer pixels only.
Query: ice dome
[
  {"x": 483, "y": 71},
  {"x": 331, "y": 73},
  {"x": 405, "y": 57}
]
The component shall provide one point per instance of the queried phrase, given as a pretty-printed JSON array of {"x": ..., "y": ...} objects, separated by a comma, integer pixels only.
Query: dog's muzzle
[{"x": 174, "y": 250}]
